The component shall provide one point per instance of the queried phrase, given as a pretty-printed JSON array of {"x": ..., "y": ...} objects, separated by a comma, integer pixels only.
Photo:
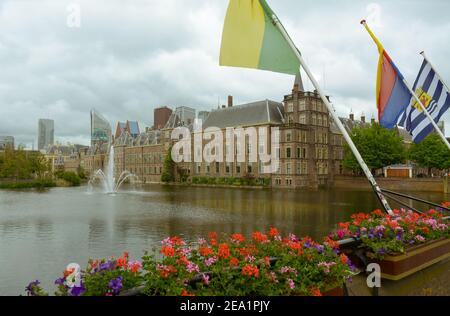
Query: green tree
[
  {"x": 378, "y": 146},
  {"x": 168, "y": 173},
  {"x": 431, "y": 153}
]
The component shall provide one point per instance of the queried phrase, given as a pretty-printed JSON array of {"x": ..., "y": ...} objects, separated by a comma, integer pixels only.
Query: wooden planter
[{"x": 416, "y": 258}]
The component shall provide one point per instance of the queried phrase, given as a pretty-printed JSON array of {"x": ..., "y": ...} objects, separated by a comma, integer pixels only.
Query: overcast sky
[{"x": 128, "y": 57}]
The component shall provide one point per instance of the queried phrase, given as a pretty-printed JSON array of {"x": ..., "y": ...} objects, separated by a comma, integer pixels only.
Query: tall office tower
[
  {"x": 46, "y": 133},
  {"x": 100, "y": 129}
]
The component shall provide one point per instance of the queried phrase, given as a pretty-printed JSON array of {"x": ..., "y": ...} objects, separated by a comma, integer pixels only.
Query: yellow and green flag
[{"x": 251, "y": 40}]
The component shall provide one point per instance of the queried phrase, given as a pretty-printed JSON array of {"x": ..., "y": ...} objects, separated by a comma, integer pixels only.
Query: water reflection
[{"x": 40, "y": 233}]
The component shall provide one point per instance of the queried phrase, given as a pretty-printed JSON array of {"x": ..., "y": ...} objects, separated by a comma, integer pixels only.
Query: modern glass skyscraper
[
  {"x": 46, "y": 133},
  {"x": 100, "y": 129}
]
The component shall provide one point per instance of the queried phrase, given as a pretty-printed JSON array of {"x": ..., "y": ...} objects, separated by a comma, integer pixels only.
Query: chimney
[
  {"x": 230, "y": 101},
  {"x": 352, "y": 117},
  {"x": 363, "y": 118}
]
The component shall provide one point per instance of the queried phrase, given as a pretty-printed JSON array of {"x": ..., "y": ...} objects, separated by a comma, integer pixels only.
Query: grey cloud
[{"x": 129, "y": 57}]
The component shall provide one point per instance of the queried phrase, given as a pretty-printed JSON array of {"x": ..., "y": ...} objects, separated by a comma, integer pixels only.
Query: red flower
[
  {"x": 425, "y": 230},
  {"x": 259, "y": 237},
  {"x": 224, "y": 251},
  {"x": 122, "y": 261},
  {"x": 212, "y": 235},
  {"x": 249, "y": 250},
  {"x": 166, "y": 271},
  {"x": 205, "y": 251},
  {"x": 234, "y": 262},
  {"x": 274, "y": 232},
  {"x": 186, "y": 293},
  {"x": 168, "y": 251},
  {"x": 177, "y": 241},
  {"x": 183, "y": 260},
  {"x": 213, "y": 242},
  {"x": 250, "y": 270},
  {"x": 378, "y": 213},
  {"x": 316, "y": 292},
  {"x": 344, "y": 225},
  {"x": 238, "y": 238},
  {"x": 296, "y": 247},
  {"x": 330, "y": 242},
  {"x": 344, "y": 259}
]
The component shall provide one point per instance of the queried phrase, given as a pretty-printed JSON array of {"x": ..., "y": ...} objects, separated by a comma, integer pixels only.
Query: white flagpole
[
  {"x": 363, "y": 22},
  {"x": 335, "y": 117},
  {"x": 435, "y": 70},
  {"x": 428, "y": 115}
]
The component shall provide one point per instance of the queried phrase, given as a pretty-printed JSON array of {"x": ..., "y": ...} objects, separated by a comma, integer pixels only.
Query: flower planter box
[
  {"x": 338, "y": 291},
  {"x": 416, "y": 258}
]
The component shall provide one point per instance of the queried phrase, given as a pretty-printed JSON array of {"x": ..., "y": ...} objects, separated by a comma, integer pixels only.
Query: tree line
[{"x": 381, "y": 147}]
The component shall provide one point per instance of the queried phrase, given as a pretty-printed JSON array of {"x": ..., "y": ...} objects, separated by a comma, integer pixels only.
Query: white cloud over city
[{"x": 129, "y": 57}]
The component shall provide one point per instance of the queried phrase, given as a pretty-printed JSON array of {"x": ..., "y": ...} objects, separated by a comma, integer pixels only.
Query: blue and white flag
[{"x": 434, "y": 96}]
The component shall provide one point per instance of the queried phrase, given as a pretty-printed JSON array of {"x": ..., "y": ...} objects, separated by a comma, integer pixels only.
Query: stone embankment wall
[{"x": 401, "y": 184}]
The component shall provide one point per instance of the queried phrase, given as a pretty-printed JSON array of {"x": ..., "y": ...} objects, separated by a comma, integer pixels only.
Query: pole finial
[{"x": 363, "y": 21}]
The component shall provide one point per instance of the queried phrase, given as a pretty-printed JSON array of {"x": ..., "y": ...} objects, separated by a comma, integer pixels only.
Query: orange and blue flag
[{"x": 393, "y": 97}]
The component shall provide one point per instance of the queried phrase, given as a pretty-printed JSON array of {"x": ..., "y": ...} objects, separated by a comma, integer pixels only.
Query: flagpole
[
  {"x": 335, "y": 117},
  {"x": 427, "y": 114},
  {"x": 440, "y": 78},
  {"x": 434, "y": 68}
]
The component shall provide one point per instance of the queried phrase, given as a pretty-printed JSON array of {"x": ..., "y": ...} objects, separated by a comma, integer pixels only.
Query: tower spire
[{"x": 298, "y": 83}]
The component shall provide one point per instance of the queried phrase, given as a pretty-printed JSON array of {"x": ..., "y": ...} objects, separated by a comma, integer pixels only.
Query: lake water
[{"x": 42, "y": 232}]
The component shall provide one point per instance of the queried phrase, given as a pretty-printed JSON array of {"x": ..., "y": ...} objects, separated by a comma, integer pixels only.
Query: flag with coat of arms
[{"x": 435, "y": 97}]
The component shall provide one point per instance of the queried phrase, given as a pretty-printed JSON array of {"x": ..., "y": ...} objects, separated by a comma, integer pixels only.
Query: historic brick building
[{"x": 310, "y": 148}]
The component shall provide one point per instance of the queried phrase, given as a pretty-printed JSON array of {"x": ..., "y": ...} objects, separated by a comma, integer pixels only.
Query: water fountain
[{"x": 110, "y": 184}]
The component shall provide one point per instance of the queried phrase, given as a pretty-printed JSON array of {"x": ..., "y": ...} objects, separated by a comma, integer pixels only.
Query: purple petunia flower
[
  {"x": 60, "y": 281},
  {"x": 78, "y": 290},
  {"x": 30, "y": 287},
  {"x": 116, "y": 285},
  {"x": 320, "y": 249},
  {"x": 106, "y": 266}
]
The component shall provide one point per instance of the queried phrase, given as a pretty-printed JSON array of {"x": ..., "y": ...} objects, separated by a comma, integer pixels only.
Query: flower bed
[
  {"x": 265, "y": 264},
  {"x": 230, "y": 266},
  {"x": 403, "y": 243}
]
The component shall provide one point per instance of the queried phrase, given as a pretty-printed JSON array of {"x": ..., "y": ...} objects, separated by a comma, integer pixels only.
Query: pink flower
[
  {"x": 192, "y": 267},
  {"x": 291, "y": 284},
  {"x": 205, "y": 279},
  {"x": 210, "y": 261},
  {"x": 201, "y": 241},
  {"x": 250, "y": 258},
  {"x": 285, "y": 270},
  {"x": 420, "y": 238},
  {"x": 167, "y": 242},
  {"x": 326, "y": 266}
]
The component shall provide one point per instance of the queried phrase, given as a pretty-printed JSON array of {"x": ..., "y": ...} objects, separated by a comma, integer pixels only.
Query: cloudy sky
[{"x": 128, "y": 57}]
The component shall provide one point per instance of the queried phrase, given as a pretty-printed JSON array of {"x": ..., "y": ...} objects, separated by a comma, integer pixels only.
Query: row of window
[
  {"x": 302, "y": 153},
  {"x": 314, "y": 105}
]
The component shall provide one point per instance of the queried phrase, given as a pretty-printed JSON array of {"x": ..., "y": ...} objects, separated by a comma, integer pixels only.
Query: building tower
[{"x": 46, "y": 133}]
